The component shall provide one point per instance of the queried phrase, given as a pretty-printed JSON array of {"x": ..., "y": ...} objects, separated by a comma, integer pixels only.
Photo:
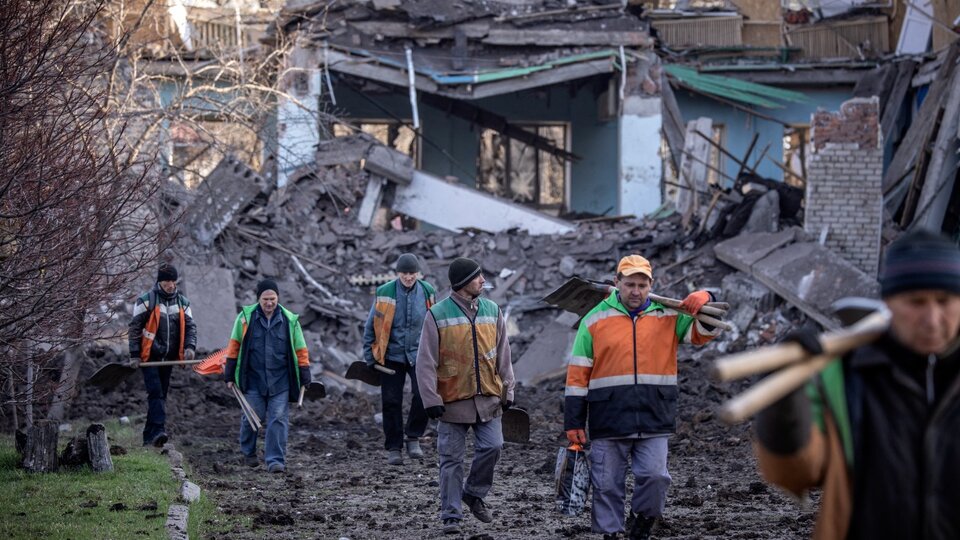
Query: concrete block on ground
[
  {"x": 189, "y": 492},
  {"x": 550, "y": 351},
  {"x": 212, "y": 302},
  {"x": 176, "y": 526},
  {"x": 222, "y": 196}
]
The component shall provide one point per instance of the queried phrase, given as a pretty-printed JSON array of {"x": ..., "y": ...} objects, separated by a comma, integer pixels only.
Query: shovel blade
[
  {"x": 315, "y": 390},
  {"x": 110, "y": 376},
  {"x": 516, "y": 426},
  {"x": 359, "y": 371}
]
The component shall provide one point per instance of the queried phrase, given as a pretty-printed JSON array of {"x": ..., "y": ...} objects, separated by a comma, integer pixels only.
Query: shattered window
[
  {"x": 795, "y": 140},
  {"x": 396, "y": 135},
  {"x": 197, "y": 148},
  {"x": 715, "y": 170},
  {"x": 515, "y": 170}
]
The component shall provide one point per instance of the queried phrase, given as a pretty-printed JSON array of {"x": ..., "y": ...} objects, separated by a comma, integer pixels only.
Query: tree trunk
[
  {"x": 40, "y": 447},
  {"x": 11, "y": 394},
  {"x": 28, "y": 408},
  {"x": 99, "y": 448},
  {"x": 67, "y": 387}
]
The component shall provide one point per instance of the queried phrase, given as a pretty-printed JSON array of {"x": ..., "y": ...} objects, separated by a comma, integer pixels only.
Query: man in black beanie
[
  {"x": 267, "y": 361},
  {"x": 162, "y": 328},
  {"x": 391, "y": 338},
  {"x": 466, "y": 381},
  {"x": 878, "y": 429}
]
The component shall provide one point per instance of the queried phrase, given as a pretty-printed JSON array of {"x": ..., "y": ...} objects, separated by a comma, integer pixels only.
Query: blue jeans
[
  {"x": 273, "y": 412},
  {"x": 452, "y": 445},
  {"x": 608, "y": 473},
  {"x": 157, "y": 382}
]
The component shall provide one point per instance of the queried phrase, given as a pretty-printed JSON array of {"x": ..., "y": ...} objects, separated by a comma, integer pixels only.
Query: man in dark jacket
[
  {"x": 267, "y": 360},
  {"x": 162, "y": 328},
  {"x": 878, "y": 429},
  {"x": 391, "y": 338}
]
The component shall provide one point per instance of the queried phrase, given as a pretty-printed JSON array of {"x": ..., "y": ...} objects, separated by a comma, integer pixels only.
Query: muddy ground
[{"x": 338, "y": 485}]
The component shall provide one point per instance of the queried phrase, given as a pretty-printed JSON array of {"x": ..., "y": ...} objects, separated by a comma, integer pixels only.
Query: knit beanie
[
  {"x": 267, "y": 284},
  {"x": 167, "y": 272},
  {"x": 462, "y": 271},
  {"x": 920, "y": 260},
  {"x": 408, "y": 264}
]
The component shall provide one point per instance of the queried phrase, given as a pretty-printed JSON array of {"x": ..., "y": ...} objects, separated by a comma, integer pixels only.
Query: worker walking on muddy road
[
  {"x": 622, "y": 386},
  {"x": 162, "y": 328},
  {"x": 267, "y": 360},
  {"x": 879, "y": 429},
  {"x": 466, "y": 380},
  {"x": 391, "y": 338}
]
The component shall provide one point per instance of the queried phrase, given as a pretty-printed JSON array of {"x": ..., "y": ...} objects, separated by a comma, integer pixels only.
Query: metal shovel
[
  {"x": 111, "y": 375},
  {"x": 516, "y": 425},
  {"x": 359, "y": 371}
]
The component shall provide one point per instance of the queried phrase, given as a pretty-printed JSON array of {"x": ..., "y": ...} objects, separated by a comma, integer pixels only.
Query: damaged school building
[{"x": 789, "y": 143}]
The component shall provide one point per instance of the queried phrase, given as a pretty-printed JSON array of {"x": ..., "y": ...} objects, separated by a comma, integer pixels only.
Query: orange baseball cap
[{"x": 634, "y": 264}]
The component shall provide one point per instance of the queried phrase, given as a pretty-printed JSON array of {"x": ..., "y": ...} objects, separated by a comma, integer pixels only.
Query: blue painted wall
[
  {"x": 740, "y": 126},
  {"x": 456, "y": 143}
]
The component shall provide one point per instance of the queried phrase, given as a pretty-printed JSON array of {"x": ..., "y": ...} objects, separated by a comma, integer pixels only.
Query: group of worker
[{"x": 878, "y": 430}]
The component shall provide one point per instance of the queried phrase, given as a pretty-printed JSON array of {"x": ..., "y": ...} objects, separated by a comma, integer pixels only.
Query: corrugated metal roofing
[{"x": 746, "y": 92}]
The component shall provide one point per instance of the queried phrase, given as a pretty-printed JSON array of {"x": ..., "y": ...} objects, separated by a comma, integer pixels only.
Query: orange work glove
[
  {"x": 577, "y": 436},
  {"x": 694, "y": 301}
]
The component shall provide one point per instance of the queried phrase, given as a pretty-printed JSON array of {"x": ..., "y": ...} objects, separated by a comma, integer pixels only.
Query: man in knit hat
[
  {"x": 878, "y": 429},
  {"x": 267, "y": 361},
  {"x": 622, "y": 387},
  {"x": 391, "y": 338},
  {"x": 162, "y": 328},
  {"x": 466, "y": 381}
]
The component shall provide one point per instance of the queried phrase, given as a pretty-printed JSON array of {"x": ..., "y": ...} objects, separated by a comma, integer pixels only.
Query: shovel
[
  {"x": 515, "y": 424},
  {"x": 312, "y": 391},
  {"x": 111, "y": 375},
  {"x": 359, "y": 371}
]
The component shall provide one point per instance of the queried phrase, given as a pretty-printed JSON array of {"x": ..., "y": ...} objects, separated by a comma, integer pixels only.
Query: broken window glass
[
  {"x": 396, "y": 135},
  {"x": 522, "y": 173}
]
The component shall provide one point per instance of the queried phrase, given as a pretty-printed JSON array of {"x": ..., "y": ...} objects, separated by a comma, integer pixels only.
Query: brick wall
[{"x": 844, "y": 173}]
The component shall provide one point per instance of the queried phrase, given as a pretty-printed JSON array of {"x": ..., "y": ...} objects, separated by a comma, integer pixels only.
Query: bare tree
[{"x": 75, "y": 222}]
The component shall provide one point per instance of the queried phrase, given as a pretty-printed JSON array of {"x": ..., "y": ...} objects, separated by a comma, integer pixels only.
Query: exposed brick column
[{"x": 844, "y": 176}]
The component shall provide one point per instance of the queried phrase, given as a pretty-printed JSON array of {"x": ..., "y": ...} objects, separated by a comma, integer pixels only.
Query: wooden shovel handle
[
  {"x": 835, "y": 343},
  {"x": 383, "y": 369},
  {"x": 675, "y": 304},
  {"x": 770, "y": 389}
]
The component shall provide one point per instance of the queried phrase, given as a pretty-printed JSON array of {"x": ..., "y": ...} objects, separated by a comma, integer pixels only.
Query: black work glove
[
  {"x": 229, "y": 369},
  {"x": 784, "y": 427},
  {"x": 435, "y": 412},
  {"x": 506, "y": 405},
  {"x": 189, "y": 354},
  {"x": 806, "y": 337},
  {"x": 305, "y": 377}
]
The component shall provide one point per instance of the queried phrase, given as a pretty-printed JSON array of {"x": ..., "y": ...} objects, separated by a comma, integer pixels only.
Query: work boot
[
  {"x": 451, "y": 526},
  {"x": 160, "y": 440},
  {"x": 394, "y": 457},
  {"x": 478, "y": 508},
  {"x": 276, "y": 468},
  {"x": 414, "y": 450},
  {"x": 251, "y": 461},
  {"x": 642, "y": 527}
]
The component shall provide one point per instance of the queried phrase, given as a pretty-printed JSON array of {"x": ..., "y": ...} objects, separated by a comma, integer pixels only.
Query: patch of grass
[{"x": 82, "y": 504}]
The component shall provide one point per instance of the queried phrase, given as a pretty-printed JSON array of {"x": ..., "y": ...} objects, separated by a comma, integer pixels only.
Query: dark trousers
[
  {"x": 157, "y": 381},
  {"x": 391, "y": 393}
]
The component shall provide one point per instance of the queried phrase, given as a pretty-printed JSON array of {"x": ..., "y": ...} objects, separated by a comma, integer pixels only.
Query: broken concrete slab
[
  {"x": 176, "y": 526},
  {"x": 221, "y": 197},
  {"x": 389, "y": 163},
  {"x": 806, "y": 274},
  {"x": 455, "y": 207},
  {"x": 550, "y": 351},
  {"x": 371, "y": 200},
  {"x": 189, "y": 492},
  {"x": 342, "y": 150},
  {"x": 212, "y": 302}
]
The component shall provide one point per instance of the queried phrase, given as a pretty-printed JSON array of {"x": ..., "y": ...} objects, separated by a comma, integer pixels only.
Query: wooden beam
[
  {"x": 403, "y": 30},
  {"x": 369, "y": 69}
]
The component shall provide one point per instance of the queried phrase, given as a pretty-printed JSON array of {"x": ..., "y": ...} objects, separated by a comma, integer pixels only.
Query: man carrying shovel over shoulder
[
  {"x": 623, "y": 379},
  {"x": 162, "y": 328},
  {"x": 879, "y": 429},
  {"x": 391, "y": 338}
]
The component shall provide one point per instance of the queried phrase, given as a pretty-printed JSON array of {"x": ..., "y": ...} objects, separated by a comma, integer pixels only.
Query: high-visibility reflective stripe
[
  {"x": 627, "y": 380},
  {"x": 575, "y": 391},
  {"x": 457, "y": 321},
  {"x": 188, "y": 312},
  {"x": 485, "y": 320},
  {"x": 149, "y": 335},
  {"x": 600, "y": 315},
  {"x": 581, "y": 361},
  {"x": 138, "y": 308},
  {"x": 387, "y": 300}
]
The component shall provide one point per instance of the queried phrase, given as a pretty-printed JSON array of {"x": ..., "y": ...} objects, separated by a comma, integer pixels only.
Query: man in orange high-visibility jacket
[
  {"x": 622, "y": 381},
  {"x": 162, "y": 328}
]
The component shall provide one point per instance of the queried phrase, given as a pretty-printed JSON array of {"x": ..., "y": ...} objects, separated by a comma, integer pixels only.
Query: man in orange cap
[{"x": 623, "y": 378}]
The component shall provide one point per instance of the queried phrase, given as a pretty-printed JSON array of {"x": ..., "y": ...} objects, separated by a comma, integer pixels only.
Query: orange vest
[
  {"x": 150, "y": 331},
  {"x": 384, "y": 309},
  {"x": 467, "y": 364}
]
